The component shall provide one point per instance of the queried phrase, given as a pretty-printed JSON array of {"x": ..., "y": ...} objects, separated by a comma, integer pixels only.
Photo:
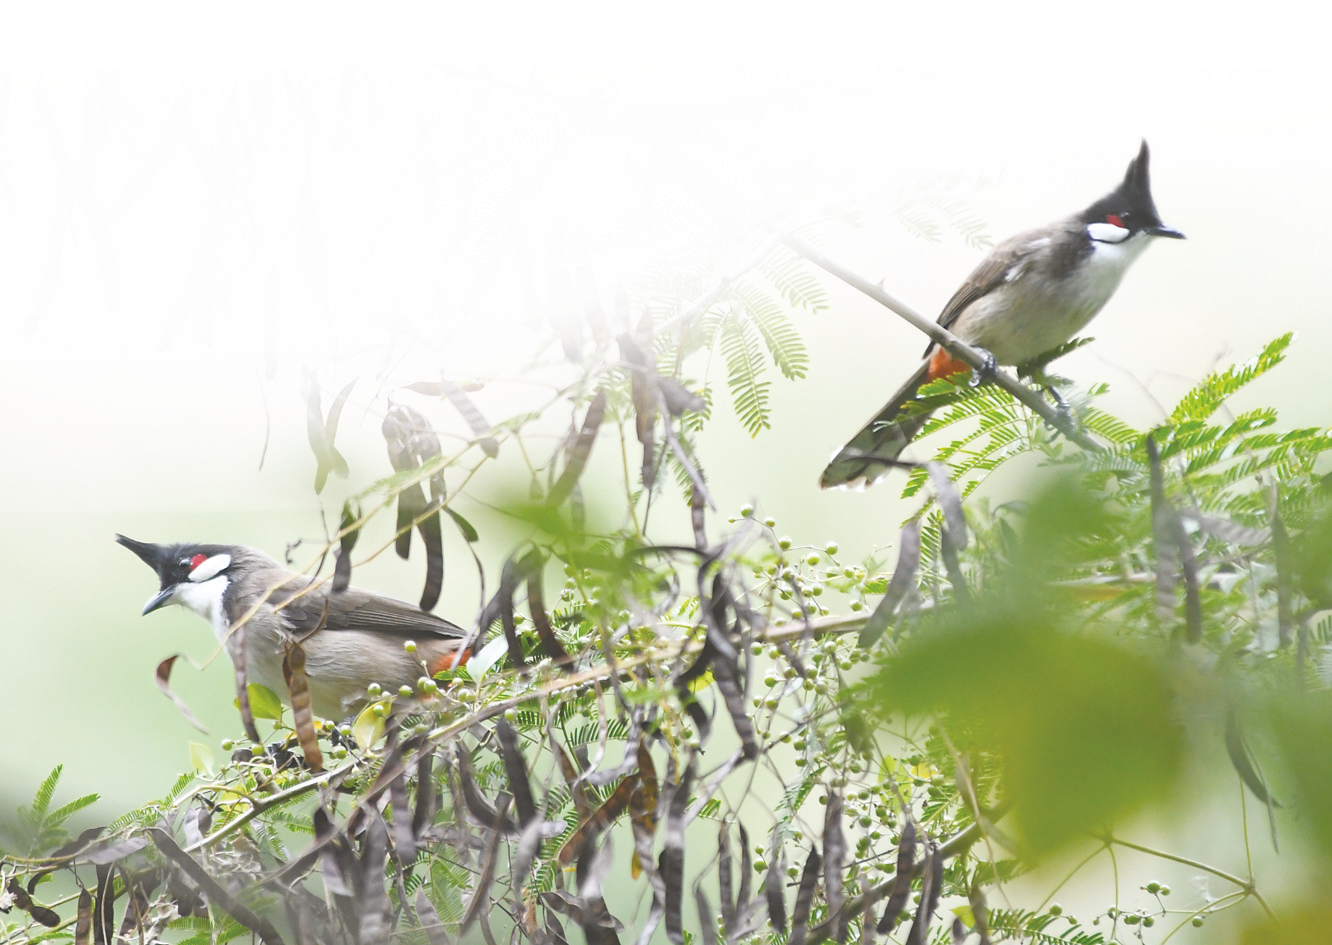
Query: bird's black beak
[
  {"x": 162, "y": 598},
  {"x": 1162, "y": 230}
]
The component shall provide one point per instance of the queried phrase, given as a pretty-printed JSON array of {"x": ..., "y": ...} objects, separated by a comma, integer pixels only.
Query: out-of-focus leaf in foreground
[
  {"x": 1301, "y": 927},
  {"x": 1082, "y": 725},
  {"x": 1301, "y": 727}
]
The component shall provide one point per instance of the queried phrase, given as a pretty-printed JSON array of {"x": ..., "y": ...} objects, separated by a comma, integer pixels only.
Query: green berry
[{"x": 409, "y": 646}]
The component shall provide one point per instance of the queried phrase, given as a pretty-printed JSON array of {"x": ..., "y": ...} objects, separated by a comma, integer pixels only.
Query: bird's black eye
[{"x": 187, "y": 565}]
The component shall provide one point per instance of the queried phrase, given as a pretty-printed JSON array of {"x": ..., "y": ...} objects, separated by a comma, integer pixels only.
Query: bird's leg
[
  {"x": 1050, "y": 383},
  {"x": 1060, "y": 403}
]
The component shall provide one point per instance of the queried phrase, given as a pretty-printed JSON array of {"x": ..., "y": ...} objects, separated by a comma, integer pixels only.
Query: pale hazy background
[{"x": 197, "y": 204}]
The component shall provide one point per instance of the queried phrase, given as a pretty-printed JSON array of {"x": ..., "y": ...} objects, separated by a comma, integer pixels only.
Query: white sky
[{"x": 190, "y": 196}]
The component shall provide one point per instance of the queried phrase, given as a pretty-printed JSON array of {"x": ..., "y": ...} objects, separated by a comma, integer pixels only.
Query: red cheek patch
[
  {"x": 1113, "y": 220},
  {"x": 197, "y": 560}
]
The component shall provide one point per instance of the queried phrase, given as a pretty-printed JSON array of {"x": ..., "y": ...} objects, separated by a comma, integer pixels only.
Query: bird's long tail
[{"x": 883, "y": 438}]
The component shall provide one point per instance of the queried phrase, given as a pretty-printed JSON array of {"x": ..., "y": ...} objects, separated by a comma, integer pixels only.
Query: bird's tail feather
[{"x": 883, "y": 438}]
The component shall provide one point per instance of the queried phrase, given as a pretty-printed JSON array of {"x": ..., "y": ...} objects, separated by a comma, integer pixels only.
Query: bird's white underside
[{"x": 1053, "y": 310}]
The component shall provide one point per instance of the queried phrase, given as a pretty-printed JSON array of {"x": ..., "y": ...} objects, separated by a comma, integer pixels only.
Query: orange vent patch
[
  {"x": 942, "y": 364},
  {"x": 441, "y": 663}
]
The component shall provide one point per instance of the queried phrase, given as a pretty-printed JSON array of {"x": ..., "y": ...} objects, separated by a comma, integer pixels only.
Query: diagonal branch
[{"x": 954, "y": 345}]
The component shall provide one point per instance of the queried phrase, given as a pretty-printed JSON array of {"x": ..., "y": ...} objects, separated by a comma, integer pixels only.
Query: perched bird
[
  {"x": 1031, "y": 294},
  {"x": 350, "y": 638}
]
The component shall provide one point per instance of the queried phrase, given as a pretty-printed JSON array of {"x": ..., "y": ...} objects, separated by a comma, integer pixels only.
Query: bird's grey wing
[
  {"x": 355, "y": 609},
  {"x": 992, "y": 271}
]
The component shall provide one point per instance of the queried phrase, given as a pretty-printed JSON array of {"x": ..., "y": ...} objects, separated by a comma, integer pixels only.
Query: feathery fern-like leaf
[
  {"x": 744, "y": 364},
  {"x": 791, "y": 276},
  {"x": 779, "y": 334},
  {"x": 1106, "y": 426},
  {"x": 35, "y": 814},
  {"x": 61, "y": 814},
  {"x": 918, "y": 221},
  {"x": 1201, "y": 402},
  {"x": 961, "y": 217}
]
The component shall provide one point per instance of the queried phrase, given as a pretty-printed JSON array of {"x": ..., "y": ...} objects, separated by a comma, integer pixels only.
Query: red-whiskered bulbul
[
  {"x": 1031, "y": 294},
  {"x": 351, "y": 638}
]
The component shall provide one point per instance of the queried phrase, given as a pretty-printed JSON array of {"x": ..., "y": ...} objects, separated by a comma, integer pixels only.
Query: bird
[
  {"x": 351, "y": 638},
  {"x": 1031, "y": 294}
]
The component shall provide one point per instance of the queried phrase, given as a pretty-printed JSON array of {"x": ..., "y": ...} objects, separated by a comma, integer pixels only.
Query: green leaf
[
  {"x": 369, "y": 725},
  {"x": 744, "y": 365},
  {"x": 1084, "y": 727},
  {"x": 264, "y": 702},
  {"x": 41, "y": 802},
  {"x": 791, "y": 276},
  {"x": 1201, "y": 402},
  {"x": 61, "y": 814},
  {"x": 202, "y": 760},
  {"x": 469, "y": 532},
  {"x": 779, "y": 334}
]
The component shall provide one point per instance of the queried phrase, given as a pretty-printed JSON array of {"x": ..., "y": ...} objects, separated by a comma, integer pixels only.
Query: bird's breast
[{"x": 1042, "y": 308}]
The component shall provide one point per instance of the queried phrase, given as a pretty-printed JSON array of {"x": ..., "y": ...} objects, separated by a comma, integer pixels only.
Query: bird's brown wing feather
[
  {"x": 991, "y": 271},
  {"x": 355, "y": 609}
]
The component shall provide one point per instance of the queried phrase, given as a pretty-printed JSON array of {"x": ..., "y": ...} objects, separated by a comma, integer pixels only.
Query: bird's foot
[{"x": 989, "y": 366}]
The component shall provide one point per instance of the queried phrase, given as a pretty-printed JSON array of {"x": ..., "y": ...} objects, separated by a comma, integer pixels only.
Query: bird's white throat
[{"x": 205, "y": 599}]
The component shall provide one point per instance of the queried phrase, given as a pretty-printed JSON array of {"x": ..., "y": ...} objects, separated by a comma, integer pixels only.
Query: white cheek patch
[
  {"x": 210, "y": 568},
  {"x": 1107, "y": 232}
]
